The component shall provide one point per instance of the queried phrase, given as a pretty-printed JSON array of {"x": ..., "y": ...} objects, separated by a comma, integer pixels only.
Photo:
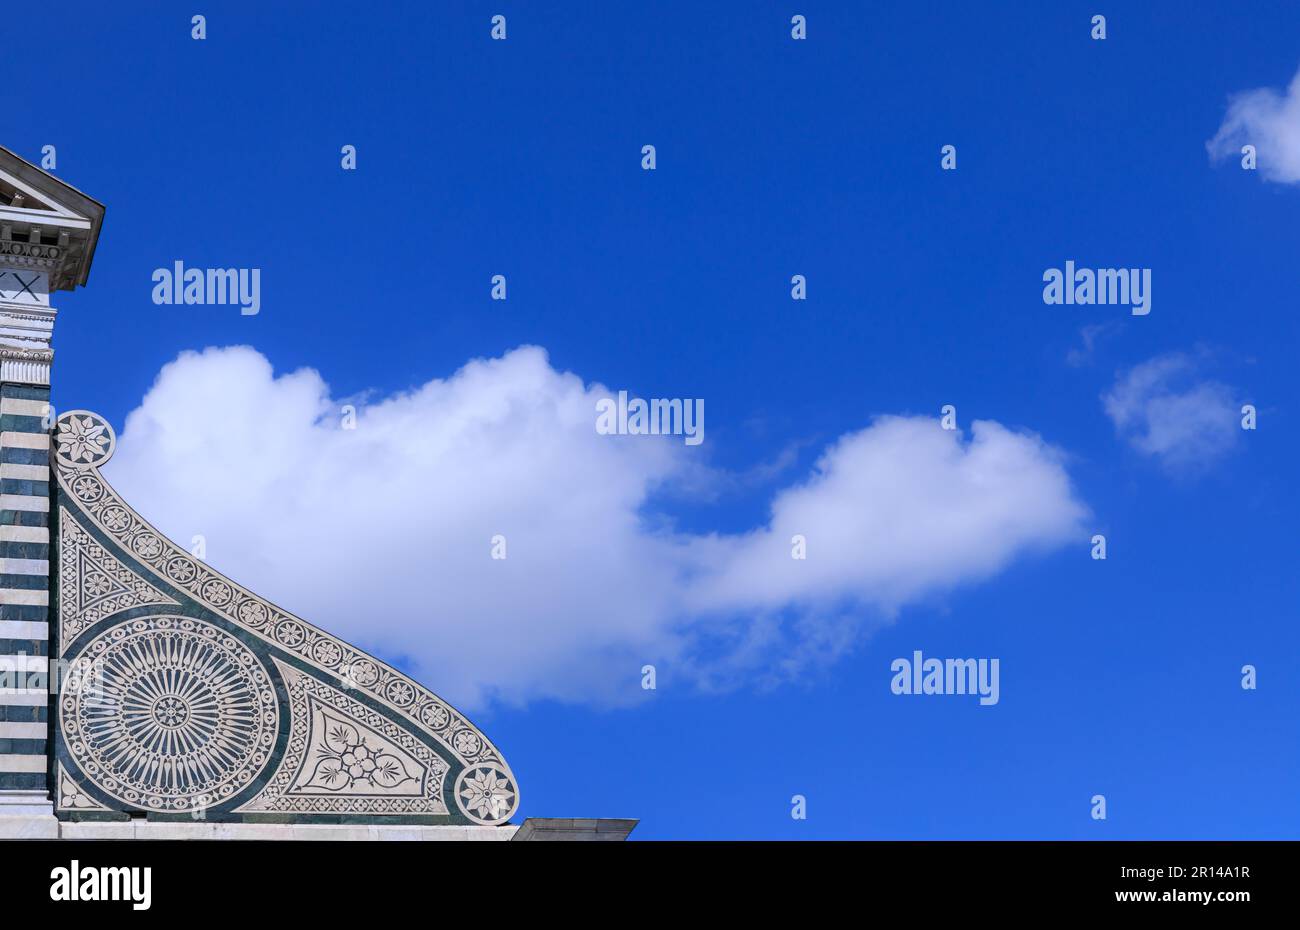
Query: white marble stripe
[
  {"x": 24, "y": 697},
  {"x": 23, "y": 664},
  {"x": 24, "y": 597},
  {"x": 33, "y": 534},
  {"x": 24, "y": 407},
  {"x": 28, "y": 502},
  {"x": 12, "y": 730},
  {"x": 24, "y": 629},
  {"x": 15, "y": 440},
  {"x": 24, "y": 472},
  {"x": 24, "y": 566},
  {"x": 15, "y": 763}
]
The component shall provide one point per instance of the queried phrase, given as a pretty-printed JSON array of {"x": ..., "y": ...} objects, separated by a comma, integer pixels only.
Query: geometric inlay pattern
[
  {"x": 93, "y": 584},
  {"x": 239, "y": 605},
  {"x": 344, "y": 758},
  {"x": 169, "y": 713},
  {"x": 339, "y": 773},
  {"x": 71, "y": 797}
]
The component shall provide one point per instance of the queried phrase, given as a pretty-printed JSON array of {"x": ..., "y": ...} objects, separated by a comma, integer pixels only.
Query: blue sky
[{"x": 775, "y": 157}]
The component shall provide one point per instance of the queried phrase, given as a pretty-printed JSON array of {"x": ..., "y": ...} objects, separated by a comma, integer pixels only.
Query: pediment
[{"x": 46, "y": 223}]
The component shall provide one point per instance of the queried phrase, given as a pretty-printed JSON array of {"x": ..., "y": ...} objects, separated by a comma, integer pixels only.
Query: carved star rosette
[
  {"x": 486, "y": 794},
  {"x": 83, "y": 440}
]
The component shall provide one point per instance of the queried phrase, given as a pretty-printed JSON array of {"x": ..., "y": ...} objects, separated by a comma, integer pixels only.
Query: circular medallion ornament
[
  {"x": 466, "y": 742},
  {"x": 167, "y": 712},
  {"x": 84, "y": 439},
  {"x": 486, "y": 793},
  {"x": 434, "y": 715},
  {"x": 87, "y": 488}
]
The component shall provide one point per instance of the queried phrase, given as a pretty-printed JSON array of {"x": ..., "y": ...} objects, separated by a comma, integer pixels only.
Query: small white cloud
[
  {"x": 1268, "y": 120},
  {"x": 382, "y": 533},
  {"x": 895, "y": 511},
  {"x": 1167, "y": 412},
  {"x": 892, "y": 514},
  {"x": 1089, "y": 337}
]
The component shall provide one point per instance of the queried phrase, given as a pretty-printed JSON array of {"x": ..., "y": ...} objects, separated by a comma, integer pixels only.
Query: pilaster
[{"x": 48, "y": 232}]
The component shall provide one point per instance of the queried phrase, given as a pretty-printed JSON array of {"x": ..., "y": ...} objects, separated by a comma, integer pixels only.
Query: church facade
[{"x": 145, "y": 694}]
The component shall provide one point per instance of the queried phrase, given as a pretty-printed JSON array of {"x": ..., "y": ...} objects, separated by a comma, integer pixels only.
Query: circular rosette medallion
[
  {"x": 169, "y": 713},
  {"x": 486, "y": 793},
  {"x": 84, "y": 439}
]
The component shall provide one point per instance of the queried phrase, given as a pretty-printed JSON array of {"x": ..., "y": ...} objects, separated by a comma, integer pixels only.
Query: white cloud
[
  {"x": 1167, "y": 412},
  {"x": 893, "y": 511},
  {"x": 1089, "y": 337},
  {"x": 382, "y": 534},
  {"x": 1268, "y": 120}
]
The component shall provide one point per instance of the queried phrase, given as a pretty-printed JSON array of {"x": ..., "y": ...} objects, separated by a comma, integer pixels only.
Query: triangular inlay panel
[
  {"x": 344, "y": 758},
  {"x": 93, "y": 584}
]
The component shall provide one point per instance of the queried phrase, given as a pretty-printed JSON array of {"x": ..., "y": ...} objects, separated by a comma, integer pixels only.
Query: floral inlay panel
[{"x": 345, "y": 758}]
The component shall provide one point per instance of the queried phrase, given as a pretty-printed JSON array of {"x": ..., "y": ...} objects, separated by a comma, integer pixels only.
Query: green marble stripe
[
  {"x": 24, "y": 518},
  {"x": 23, "y": 781},
  {"x": 24, "y": 486},
  {"x": 24, "y": 550},
  {"x": 32, "y": 612},
  {"x": 25, "y": 582},
  {"x": 23, "y": 713},
  {"x": 17, "y": 423},
  {"x": 24, "y": 647},
  {"x": 18, "y": 456},
  {"x": 24, "y": 391}
]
